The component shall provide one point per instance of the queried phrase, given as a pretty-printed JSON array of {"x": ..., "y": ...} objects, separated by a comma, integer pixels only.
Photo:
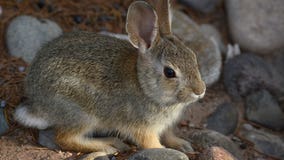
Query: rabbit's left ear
[
  {"x": 142, "y": 25},
  {"x": 163, "y": 9}
]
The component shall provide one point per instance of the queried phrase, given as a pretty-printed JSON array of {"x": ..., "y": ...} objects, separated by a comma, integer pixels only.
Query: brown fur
[{"x": 85, "y": 82}]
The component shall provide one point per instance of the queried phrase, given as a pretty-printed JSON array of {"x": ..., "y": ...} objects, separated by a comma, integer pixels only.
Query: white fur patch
[{"x": 29, "y": 120}]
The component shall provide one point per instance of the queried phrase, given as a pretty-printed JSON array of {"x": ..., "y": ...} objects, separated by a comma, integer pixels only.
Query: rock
[
  {"x": 247, "y": 73},
  {"x": 3, "y": 122},
  {"x": 26, "y": 35},
  {"x": 224, "y": 119},
  {"x": 257, "y": 25},
  {"x": 207, "y": 50},
  {"x": 216, "y": 153},
  {"x": 204, "y": 6},
  {"x": 158, "y": 154},
  {"x": 203, "y": 139},
  {"x": 212, "y": 33},
  {"x": 262, "y": 108},
  {"x": 95, "y": 156},
  {"x": 264, "y": 142},
  {"x": 46, "y": 139}
]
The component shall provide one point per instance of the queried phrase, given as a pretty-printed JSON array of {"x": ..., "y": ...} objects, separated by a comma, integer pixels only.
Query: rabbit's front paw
[{"x": 172, "y": 141}]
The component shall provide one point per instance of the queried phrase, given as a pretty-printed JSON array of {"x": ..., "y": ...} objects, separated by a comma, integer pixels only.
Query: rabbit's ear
[
  {"x": 164, "y": 15},
  {"x": 142, "y": 25}
]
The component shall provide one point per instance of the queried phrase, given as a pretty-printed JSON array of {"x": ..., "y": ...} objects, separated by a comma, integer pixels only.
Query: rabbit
[{"x": 84, "y": 82}]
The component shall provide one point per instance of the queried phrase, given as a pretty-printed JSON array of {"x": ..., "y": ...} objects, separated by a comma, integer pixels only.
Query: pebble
[
  {"x": 247, "y": 73},
  {"x": 204, "y": 6},
  {"x": 216, "y": 153},
  {"x": 263, "y": 108},
  {"x": 3, "y": 122},
  {"x": 158, "y": 154},
  {"x": 265, "y": 142},
  {"x": 204, "y": 139},
  {"x": 1, "y": 11},
  {"x": 257, "y": 25},
  {"x": 207, "y": 50},
  {"x": 46, "y": 139},
  {"x": 224, "y": 120},
  {"x": 26, "y": 35}
]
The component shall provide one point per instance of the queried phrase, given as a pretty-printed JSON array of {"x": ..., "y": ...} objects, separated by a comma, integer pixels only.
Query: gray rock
[
  {"x": 247, "y": 73},
  {"x": 207, "y": 50},
  {"x": 264, "y": 142},
  {"x": 158, "y": 154},
  {"x": 204, "y": 6},
  {"x": 224, "y": 119},
  {"x": 26, "y": 35},
  {"x": 211, "y": 32},
  {"x": 3, "y": 123},
  {"x": 46, "y": 139},
  {"x": 203, "y": 139},
  {"x": 216, "y": 153},
  {"x": 257, "y": 25},
  {"x": 262, "y": 108}
]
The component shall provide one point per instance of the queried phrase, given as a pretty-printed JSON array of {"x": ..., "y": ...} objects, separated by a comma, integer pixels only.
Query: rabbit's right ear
[{"x": 142, "y": 25}]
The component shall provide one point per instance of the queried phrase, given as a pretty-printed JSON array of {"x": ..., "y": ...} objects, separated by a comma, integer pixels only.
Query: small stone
[
  {"x": 3, "y": 122},
  {"x": 206, "y": 49},
  {"x": 1, "y": 11},
  {"x": 41, "y": 4},
  {"x": 203, "y": 139},
  {"x": 247, "y": 73},
  {"x": 3, "y": 104},
  {"x": 265, "y": 142},
  {"x": 257, "y": 25},
  {"x": 224, "y": 119},
  {"x": 262, "y": 108},
  {"x": 21, "y": 68},
  {"x": 216, "y": 153},
  {"x": 26, "y": 35},
  {"x": 204, "y": 6},
  {"x": 78, "y": 19},
  {"x": 46, "y": 138},
  {"x": 158, "y": 154}
]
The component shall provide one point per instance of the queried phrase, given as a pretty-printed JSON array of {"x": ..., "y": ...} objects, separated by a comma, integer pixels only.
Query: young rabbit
[{"x": 85, "y": 82}]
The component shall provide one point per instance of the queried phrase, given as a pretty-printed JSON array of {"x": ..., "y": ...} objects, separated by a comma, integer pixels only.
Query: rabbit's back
[{"x": 77, "y": 63}]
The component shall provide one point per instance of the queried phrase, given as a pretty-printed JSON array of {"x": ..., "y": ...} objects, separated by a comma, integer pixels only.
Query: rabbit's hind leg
[{"x": 76, "y": 140}]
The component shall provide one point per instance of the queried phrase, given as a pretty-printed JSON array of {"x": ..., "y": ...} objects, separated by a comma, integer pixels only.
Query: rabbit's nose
[{"x": 199, "y": 89}]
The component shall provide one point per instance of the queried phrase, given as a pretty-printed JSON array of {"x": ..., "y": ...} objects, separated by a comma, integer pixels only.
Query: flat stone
[
  {"x": 159, "y": 154},
  {"x": 216, "y": 153},
  {"x": 3, "y": 122},
  {"x": 265, "y": 142},
  {"x": 46, "y": 138},
  {"x": 206, "y": 49},
  {"x": 224, "y": 119},
  {"x": 257, "y": 25},
  {"x": 263, "y": 108},
  {"x": 203, "y": 139},
  {"x": 247, "y": 73},
  {"x": 26, "y": 35}
]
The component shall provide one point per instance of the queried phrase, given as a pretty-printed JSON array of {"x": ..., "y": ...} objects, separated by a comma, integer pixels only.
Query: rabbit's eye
[{"x": 169, "y": 73}]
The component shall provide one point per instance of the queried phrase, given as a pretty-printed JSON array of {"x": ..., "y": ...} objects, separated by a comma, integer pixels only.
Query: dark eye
[{"x": 169, "y": 73}]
